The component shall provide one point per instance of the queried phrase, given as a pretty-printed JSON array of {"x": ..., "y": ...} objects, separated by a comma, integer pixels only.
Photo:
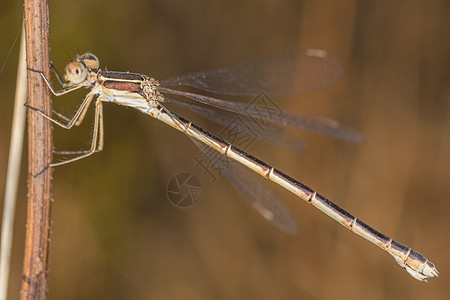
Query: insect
[{"x": 293, "y": 73}]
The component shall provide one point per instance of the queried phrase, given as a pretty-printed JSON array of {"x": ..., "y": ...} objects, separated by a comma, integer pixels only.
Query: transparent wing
[
  {"x": 288, "y": 74},
  {"x": 252, "y": 189},
  {"x": 245, "y": 125},
  {"x": 309, "y": 123},
  {"x": 256, "y": 193}
]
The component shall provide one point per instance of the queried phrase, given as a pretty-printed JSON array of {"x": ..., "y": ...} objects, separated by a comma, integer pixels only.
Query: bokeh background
[{"x": 116, "y": 236}]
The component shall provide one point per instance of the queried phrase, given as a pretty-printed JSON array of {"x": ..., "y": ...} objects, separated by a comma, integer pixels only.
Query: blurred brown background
[{"x": 115, "y": 234}]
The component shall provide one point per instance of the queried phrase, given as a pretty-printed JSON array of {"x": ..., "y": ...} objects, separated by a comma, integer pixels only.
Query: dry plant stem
[
  {"x": 35, "y": 268},
  {"x": 13, "y": 172}
]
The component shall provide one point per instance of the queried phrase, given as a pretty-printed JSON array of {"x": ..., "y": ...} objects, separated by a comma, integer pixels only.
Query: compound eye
[
  {"x": 90, "y": 60},
  {"x": 75, "y": 72}
]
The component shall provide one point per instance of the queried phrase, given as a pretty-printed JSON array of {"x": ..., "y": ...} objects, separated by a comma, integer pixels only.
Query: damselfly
[{"x": 289, "y": 74}]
